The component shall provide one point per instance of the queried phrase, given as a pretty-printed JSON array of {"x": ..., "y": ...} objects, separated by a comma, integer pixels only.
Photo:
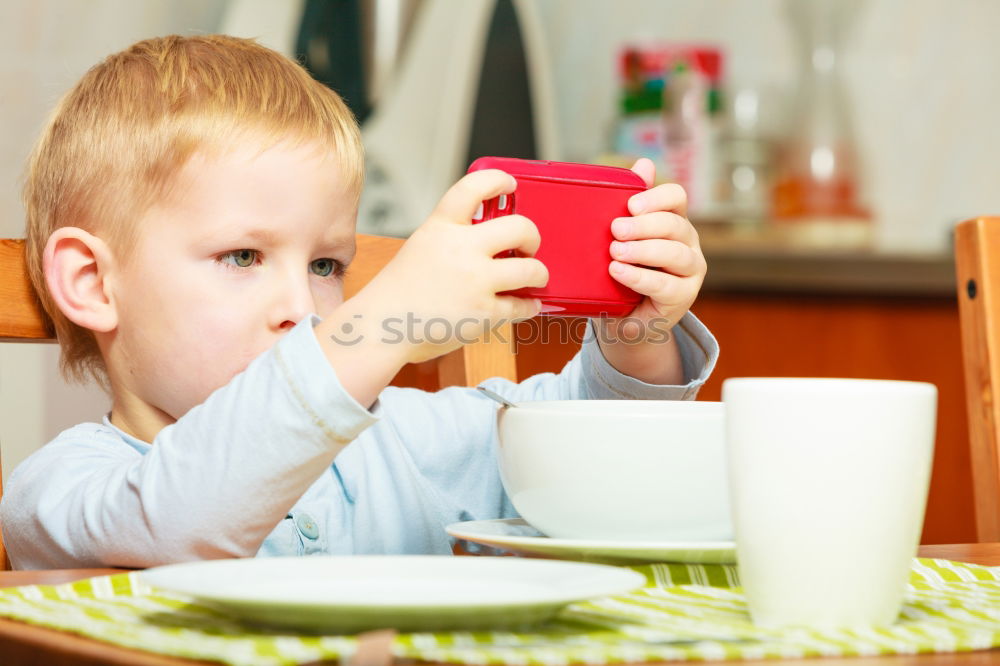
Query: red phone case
[{"x": 573, "y": 206}]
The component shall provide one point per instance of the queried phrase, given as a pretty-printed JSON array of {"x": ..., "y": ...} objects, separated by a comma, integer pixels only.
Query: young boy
[{"x": 191, "y": 203}]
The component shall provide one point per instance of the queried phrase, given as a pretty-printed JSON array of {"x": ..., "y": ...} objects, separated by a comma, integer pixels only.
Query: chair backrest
[
  {"x": 23, "y": 320},
  {"x": 467, "y": 366},
  {"x": 977, "y": 264},
  {"x": 21, "y": 316}
]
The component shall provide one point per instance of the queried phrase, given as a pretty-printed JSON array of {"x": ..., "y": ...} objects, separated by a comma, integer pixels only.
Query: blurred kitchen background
[{"x": 829, "y": 147}]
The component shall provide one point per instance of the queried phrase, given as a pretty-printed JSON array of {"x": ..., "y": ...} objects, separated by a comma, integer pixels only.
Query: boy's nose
[{"x": 292, "y": 304}]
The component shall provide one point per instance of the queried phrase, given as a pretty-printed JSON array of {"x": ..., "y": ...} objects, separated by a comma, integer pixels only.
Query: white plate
[
  {"x": 346, "y": 594},
  {"x": 517, "y": 536}
]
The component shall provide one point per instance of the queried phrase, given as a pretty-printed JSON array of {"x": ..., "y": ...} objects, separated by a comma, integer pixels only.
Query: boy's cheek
[
  {"x": 221, "y": 366},
  {"x": 329, "y": 299}
]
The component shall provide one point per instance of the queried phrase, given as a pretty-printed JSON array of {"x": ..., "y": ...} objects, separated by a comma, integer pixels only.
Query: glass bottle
[{"x": 816, "y": 177}]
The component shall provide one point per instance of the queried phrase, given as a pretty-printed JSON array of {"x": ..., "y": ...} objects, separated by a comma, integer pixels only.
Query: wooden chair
[
  {"x": 977, "y": 265},
  {"x": 22, "y": 320},
  {"x": 467, "y": 366}
]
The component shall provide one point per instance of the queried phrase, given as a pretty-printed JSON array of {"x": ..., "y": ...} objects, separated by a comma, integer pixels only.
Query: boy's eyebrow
[
  {"x": 348, "y": 246},
  {"x": 259, "y": 236},
  {"x": 267, "y": 237}
]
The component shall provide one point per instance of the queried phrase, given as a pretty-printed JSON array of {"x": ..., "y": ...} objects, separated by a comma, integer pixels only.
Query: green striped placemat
[{"x": 685, "y": 612}]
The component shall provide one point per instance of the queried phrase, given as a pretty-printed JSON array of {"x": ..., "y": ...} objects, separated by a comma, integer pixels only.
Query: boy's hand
[
  {"x": 655, "y": 252},
  {"x": 445, "y": 279}
]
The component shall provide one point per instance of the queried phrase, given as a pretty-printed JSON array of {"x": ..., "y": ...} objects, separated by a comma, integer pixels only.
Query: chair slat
[
  {"x": 977, "y": 259},
  {"x": 467, "y": 366},
  {"x": 21, "y": 316}
]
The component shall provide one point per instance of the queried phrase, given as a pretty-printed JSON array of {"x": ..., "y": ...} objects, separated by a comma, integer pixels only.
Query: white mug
[{"x": 828, "y": 484}]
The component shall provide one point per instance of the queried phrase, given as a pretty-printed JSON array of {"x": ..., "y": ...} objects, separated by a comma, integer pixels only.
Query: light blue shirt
[{"x": 283, "y": 461}]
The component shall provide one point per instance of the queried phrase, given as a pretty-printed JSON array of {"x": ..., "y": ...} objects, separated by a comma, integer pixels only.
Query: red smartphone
[{"x": 573, "y": 206}]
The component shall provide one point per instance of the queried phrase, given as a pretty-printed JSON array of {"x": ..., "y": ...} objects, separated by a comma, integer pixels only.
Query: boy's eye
[
  {"x": 323, "y": 267},
  {"x": 242, "y": 258}
]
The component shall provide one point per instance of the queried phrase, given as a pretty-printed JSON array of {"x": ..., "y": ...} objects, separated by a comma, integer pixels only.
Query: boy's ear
[{"x": 76, "y": 265}]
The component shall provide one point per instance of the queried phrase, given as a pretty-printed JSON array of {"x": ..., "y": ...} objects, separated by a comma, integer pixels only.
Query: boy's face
[{"x": 249, "y": 243}]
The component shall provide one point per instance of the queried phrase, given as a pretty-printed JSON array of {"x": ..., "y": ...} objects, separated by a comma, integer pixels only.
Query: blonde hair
[{"x": 116, "y": 140}]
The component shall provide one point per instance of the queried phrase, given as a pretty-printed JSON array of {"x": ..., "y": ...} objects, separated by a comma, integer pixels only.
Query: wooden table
[{"x": 23, "y": 644}]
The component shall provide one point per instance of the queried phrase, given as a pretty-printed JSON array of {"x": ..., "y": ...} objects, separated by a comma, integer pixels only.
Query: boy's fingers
[
  {"x": 517, "y": 272},
  {"x": 460, "y": 202},
  {"x": 673, "y": 257},
  {"x": 646, "y": 281},
  {"x": 514, "y": 308},
  {"x": 669, "y": 226},
  {"x": 511, "y": 232},
  {"x": 645, "y": 169},
  {"x": 669, "y": 196}
]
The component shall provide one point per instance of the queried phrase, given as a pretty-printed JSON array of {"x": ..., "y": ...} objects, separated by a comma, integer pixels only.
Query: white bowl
[{"x": 637, "y": 470}]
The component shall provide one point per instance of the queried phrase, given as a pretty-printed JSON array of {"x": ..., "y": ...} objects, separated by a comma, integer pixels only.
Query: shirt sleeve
[
  {"x": 213, "y": 484},
  {"x": 699, "y": 352},
  {"x": 590, "y": 376}
]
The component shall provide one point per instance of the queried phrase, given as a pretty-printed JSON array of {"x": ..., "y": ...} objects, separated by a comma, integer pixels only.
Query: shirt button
[{"x": 307, "y": 526}]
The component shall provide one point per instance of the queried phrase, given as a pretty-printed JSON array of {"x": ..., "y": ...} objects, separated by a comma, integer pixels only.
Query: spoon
[{"x": 496, "y": 397}]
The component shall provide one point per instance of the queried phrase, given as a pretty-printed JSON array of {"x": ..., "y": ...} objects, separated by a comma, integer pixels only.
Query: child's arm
[
  {"x": 656, "y": 252},
  {"x": 213, "y": 484},
  {"x": 445, "y": 272}
]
